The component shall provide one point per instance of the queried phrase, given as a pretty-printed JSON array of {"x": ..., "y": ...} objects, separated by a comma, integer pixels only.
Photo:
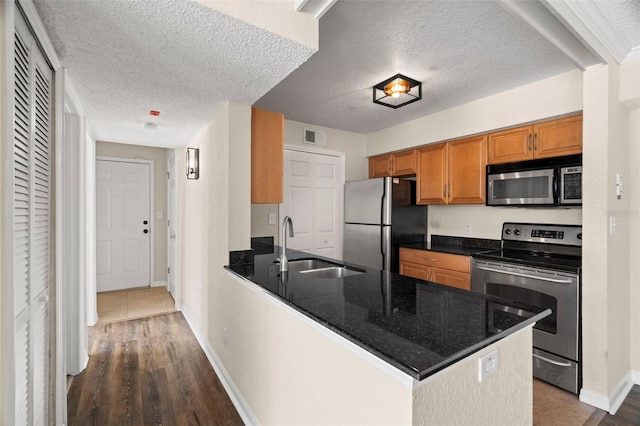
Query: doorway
[
  {"x": 314, "y": 199},
  {"x": 124, "y": 225}
]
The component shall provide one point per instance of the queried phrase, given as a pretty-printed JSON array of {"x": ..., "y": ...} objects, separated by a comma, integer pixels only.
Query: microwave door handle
[
  {"x": 556, "y": 187},
  {"x": 520, "y": 274}
]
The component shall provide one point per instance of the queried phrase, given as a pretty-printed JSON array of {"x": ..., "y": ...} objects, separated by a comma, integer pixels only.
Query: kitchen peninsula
[{"x": 380, "y": 348}]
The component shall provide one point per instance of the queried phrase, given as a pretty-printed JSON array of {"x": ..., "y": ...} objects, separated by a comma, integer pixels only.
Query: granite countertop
[
  {"x": 456, "y": 245},
  {"x": 417, "y": 326}
]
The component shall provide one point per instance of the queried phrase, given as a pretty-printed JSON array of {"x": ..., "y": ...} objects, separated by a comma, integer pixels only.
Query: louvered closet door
[{"x": 32, "y": 227}]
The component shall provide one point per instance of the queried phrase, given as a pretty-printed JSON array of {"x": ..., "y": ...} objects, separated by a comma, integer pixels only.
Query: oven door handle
[
  {"x": 520, "y": 274},
  {"x": 550, "y": 361}
]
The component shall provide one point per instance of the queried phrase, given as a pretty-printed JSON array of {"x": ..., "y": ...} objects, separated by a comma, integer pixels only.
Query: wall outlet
[
  {"x": 225, "y": 335},
  {"x": 159, "y": 214},
  {"x": 272, "y": 218},
  {"x": 487, "y": 365},
  {"x": 468, "y": 229}
]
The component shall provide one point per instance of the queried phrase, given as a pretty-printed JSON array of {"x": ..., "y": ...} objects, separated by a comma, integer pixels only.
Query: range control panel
[{"x": 570, "y": 235}]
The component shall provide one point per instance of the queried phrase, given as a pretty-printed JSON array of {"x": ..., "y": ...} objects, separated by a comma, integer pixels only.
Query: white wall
[
  {"x": 557, "y": 95},
  {"x": 486, "y": 222},
  {"x": 634, "y": 231},
  {"x": 606, "y": 271},
  {"x": 356, "y": 167},
  {"x": 159, "y": 157}
]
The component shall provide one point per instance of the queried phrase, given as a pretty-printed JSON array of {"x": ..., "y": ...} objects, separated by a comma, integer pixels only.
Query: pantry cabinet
[
  {"x": 397, "y": 164},
  {"x": 267, "y": 156},
  {"x": 443, "y": 268},
  {"x": 552, "y": 138},
  {"x": 452, "y": 172}
]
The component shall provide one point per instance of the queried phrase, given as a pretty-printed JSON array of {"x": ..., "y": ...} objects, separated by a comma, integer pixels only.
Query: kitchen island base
[{"x": 289, "y": 369}]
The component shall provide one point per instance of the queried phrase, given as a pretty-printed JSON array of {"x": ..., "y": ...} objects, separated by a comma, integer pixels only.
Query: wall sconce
[
  {"x": 193, "y": 163},
  {"x": 397, "y": 91}
]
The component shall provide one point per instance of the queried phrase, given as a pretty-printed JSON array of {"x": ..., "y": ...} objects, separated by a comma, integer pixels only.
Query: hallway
[{"x": 148, "y": 371}]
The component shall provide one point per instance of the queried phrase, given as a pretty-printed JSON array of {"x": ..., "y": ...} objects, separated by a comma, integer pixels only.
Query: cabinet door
[
  {"x": 267, "y": 156},
  {"x": 510, "y": 145},
  {"x": 414, "y": 270},
  {"x": 451, "y": 278},
  {"x": 467, "y": 170},
  {"x": 404, "y": 163},
  {"x": 380, "y": 166},
  {"x": 559, "y": 137},
  {"x": 432, "y": 174}
]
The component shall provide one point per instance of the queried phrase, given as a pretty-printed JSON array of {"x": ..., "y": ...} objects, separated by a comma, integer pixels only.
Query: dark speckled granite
[
  {"x": 240, "y": 257},
  {"x": 417, "y": 326},
  {"x": 456, "y": 245}
]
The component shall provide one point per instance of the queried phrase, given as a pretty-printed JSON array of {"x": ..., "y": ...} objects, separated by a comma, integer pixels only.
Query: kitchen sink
[
  {"x": 332, "y": 272},
  {"x": 318, "y": 268}
]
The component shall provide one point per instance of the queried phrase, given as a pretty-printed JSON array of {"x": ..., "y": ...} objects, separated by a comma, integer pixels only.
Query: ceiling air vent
[{"x": 315, "y": 138}]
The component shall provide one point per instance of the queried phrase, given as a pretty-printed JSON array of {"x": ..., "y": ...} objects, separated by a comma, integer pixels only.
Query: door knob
[
  {"x": 146, "y": 231},
  {"x": 144, "y": 222}
]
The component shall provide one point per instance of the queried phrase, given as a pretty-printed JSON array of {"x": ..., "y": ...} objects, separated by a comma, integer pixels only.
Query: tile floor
[{"x": 123, "y": 305}]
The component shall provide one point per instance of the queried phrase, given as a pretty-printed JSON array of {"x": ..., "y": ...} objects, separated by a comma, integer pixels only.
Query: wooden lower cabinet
[{"x": 452, "y": 269}]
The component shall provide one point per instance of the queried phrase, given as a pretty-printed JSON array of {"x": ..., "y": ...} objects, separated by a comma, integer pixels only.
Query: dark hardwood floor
[
  {"x": 628, "y": 413},
  {"x": 148, "y": 371}
]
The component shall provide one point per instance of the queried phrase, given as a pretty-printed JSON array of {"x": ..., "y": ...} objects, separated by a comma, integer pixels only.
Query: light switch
[
  {"x": 612, "y": 225},
  {"x": 159, "y": 214}
]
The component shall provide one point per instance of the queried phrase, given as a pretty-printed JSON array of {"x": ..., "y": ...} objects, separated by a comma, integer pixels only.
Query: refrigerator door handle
[
  {"x": 386, "y": 203},
  {"x": 385, "y": 247}
]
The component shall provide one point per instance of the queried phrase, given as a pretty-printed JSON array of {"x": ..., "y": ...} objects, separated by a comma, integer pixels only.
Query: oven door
[
  {"x": 557, "y": 333},
  {"x": 532, "y": 187}
]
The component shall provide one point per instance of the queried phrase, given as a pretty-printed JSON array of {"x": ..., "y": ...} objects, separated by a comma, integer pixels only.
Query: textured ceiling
[
  {"x": 460, "y": 50},
  {"x": 183, "y": 59},
  {"x": 625, "y": 17},
  {"x": 127, "y": 57}
]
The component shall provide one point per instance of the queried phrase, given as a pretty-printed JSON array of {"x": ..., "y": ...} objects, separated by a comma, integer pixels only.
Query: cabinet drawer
[
  {"x": 451, "y": 278},
  {"x": 437, "y": 259},
  {"x": 414, "y": 270}
]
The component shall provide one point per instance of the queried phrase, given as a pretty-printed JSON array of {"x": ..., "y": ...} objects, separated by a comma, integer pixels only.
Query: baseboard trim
[
  {"x": 616, "y": 397},
  {"x": 159, "y": 284},
  {"x": 244, "y": 410}
]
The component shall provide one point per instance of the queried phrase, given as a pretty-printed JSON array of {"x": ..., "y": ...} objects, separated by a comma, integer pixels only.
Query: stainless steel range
[{"x": 540, "y": 265}]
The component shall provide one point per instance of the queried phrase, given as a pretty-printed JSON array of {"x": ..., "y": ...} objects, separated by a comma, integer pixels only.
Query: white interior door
[
  {"x": 313, "y": 198},
  {"x": 171, "y": 222},
  {"x": 123, "y": 229}
]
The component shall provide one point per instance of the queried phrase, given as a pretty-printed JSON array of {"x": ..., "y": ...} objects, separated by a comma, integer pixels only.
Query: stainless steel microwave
[{"x": 545, "y": 182}]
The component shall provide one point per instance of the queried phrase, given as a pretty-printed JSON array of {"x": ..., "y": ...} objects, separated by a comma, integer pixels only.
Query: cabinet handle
[
  {"x": 529, "y": 143},
  {"x": 535, "y": 141}
]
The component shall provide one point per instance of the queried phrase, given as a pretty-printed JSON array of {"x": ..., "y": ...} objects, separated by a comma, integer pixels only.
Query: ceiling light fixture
[{"x": 397, "y": 91}]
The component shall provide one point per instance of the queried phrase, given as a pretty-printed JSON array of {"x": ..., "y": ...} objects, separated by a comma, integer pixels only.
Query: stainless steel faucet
[{"x": 284, "y": 262}]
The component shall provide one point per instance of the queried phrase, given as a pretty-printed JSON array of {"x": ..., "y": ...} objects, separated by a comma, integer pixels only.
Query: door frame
[
  {"x": 173, "y": 199},
  {"x": 340, "y": 204},
  {"x": 152, "y": 239}
]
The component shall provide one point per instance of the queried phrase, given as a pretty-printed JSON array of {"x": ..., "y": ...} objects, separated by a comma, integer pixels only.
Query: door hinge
[
  {"x": 169, "y": 270},
  {"x": 168, "y": 223},
  {"x": 168, "y": 176}
]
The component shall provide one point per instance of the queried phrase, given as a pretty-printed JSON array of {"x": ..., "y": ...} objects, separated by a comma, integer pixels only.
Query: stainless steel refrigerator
[{"x": 380, "y": 215}]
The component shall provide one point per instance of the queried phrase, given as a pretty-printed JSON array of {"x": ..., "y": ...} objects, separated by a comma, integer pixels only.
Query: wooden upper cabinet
[
  {"x": 453, "y": 172},
  {"x": 432, "y": 174},
  {"x": 267, "y": 156},
  {"x": 559, "y": 137},
  {"x": 404, "y": 163},
  {"x": 510, "y": 145},
  {"x": 380, "y": 166},
  {"x": 553, "y": 138},
  {"x": 397, "y": 164},
  {"x": 467, "y": 170}
]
